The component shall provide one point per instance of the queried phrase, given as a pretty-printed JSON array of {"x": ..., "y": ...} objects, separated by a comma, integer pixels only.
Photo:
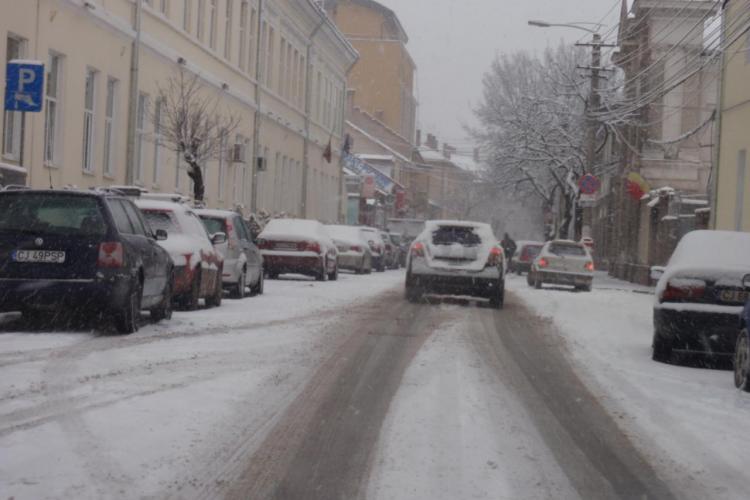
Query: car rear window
[
  {"x": 450, "y": 235},
  {"x": 215, "y": 224},
  {"x": 530, "y": 252},
  {"x": 567, "y": 250},
  {"x": 52, "y": 214},
  {"x": 161, "y": 219}
]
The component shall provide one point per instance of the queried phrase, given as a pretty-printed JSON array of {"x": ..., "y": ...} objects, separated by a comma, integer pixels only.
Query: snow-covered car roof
[
  {"x": 349, "y": 233},
  {"x": 211, "y": 212},
  {"x": 431, "y": 225},
  {"x": 294, "y": 229},
  {"x": 523, "y": 243},
  {"x": 160, "y": 205},
  {"x": 703, "y": 254}
]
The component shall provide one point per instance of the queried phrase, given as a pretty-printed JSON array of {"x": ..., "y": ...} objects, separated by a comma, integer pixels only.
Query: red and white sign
[{"x": 368, "y": 186}]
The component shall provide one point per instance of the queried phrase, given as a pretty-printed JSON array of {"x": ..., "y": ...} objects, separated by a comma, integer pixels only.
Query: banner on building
[
  {"x": 368, "y": 186},
  {"x": 637, "y": 186}
]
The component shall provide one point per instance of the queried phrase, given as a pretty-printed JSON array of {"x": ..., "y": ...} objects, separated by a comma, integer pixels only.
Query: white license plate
[
  {"x": 736, "y": 296},
  {"x": 47, "y": 256},
  {"x": 285, "y": 246}
]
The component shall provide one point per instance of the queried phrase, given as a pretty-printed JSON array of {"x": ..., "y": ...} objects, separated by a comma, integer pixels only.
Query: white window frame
[
  {"x": 253, "y": 30},
  {"x": 140, "y": 135},
  {"x": 222, "y": 167},
  {"x": 110, "y": 124},
  {"x": 164, "y": 7},
  {"x": 282, "y": 67},
  {"x": 52, "y": 113},
  {"x": 187, "y": 10},
  {"x": 212, "y": 19},
  {"x": 244, "y": 19},
  {"x": 89, "y": 119},
  {"x": 13, "y": 121},
  {"x": 739, "y": 207},
  {"x": 271, "y": 51},
  {"x": 200, "y": 18},
  {"x": 263, "y": 48}
]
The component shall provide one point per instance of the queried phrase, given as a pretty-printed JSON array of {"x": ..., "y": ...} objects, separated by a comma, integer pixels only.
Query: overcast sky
[{"x": 454, "y": 41}]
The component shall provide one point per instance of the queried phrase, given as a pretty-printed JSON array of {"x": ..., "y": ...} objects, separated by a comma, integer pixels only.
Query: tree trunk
[
  {"x": 196, "y": 175},
  {"x": 564, "y": 230}
]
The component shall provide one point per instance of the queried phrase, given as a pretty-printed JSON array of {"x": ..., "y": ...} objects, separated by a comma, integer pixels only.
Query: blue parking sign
[{"x": 24, "y": 86}]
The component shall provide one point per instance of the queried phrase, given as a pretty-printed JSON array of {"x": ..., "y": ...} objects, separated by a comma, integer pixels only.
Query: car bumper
[
  {"x": 563, "y": 278},
  {"x": 351, "y": 261},
  {"x": 694, "y": 331},
  {"x": 110, "y": 294},
  {"x": 521, "y": 267},
  {"x": 232, "y": 272},
  {"x": 283, "y": 264},
  {"x": 482, "y": 283}
]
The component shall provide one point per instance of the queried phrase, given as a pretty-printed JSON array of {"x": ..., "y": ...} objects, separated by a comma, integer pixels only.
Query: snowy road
[{"x": 344, "y": 390}]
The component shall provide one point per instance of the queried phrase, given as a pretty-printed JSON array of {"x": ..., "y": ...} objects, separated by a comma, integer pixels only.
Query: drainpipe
[
  {"x": 256, "y": 124},
  {"x": 306, "y": 143},
  {"x": 714, "y": 177},
  {"x": 133, "y": 97},
  {"x": 343, "y": 195}
]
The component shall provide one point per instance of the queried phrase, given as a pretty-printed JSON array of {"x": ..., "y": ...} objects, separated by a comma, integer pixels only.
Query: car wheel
[
  {"x": 662, "y": 349},
  {"x": 538, "y": 283},
  {"x": 530, "y": 279},
  {"x": 414, "y": 293},
  {"x": 334, "y": 276},
  {"x": 239, "y": 289},
  {"x": 257, "y": 289},
  {"x": 214, "y": 300},
  {"x": 164, "y": 311},
  {"x": 497, "y": 299},
  {"x": 126, "y": 322},
  {"x": 742, "y": 362},
  {"x": 322, "y": 274}
]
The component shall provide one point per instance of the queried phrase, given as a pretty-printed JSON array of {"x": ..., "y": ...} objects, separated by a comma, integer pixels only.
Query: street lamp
[{"x": 575, "y": 25}]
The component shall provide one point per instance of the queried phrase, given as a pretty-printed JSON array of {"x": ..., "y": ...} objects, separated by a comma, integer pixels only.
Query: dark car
[
  {"x": 742, "y": 349},
  {"x": 525, "y": 254},
  {"x": 90, "y": 252}
]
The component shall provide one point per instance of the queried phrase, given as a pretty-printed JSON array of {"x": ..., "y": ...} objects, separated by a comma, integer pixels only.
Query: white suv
[{"x": 456, "y": 258}]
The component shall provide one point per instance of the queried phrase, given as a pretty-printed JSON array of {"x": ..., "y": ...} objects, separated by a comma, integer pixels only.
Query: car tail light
[
  {"x": 496, "y": 257},
  {"x": 683, "y": 289},
  {"x": 543, "y": 262},
  {"x": 417, "y": 249},
  {"x": 309, "y": 246},
  {"x": 265, "y": 244},
  {"x": 589, "y": 266},
  {"x": 355, "y": 248},
  {"x": 230, "y": 236},
  {"x": 111, "y": 255}
]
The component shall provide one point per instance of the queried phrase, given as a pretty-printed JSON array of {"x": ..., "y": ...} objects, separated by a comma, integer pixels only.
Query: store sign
[{"x": 368, "y": 186}]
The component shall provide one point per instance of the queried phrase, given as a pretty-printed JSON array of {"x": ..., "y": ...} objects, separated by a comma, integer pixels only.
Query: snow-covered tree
[{"x": 193, "y": 126}]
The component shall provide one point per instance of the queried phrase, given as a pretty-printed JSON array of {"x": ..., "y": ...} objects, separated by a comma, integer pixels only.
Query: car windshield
[
  {"x": 52, "y": 215},
  {"x": 375, "y": 249},
  {"x": 161, "y": 219},
  {"x": 567, "y": 250},
  {"x": 214, "y": 224}
]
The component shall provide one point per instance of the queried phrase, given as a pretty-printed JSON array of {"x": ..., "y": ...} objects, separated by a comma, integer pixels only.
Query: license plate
[
  {"x": 735, "y": 296},
  {"x": 285, "y": 246},
  {"x": 46, "y": 256}
]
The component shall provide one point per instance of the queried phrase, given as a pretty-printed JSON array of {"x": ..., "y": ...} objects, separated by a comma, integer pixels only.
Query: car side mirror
[
  {"x": 160, "y": 235},
  {"x": 219, "y": 238},
  {"x": 746, "y": 281},
  {"x": 657, "y": 272}
]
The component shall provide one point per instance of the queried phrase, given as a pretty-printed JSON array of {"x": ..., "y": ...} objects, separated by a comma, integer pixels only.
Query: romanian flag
[{"x": 637, "y": 185}]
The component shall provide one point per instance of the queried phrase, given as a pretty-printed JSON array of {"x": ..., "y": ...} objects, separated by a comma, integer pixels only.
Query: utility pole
[{"x": 595, "y": 101}]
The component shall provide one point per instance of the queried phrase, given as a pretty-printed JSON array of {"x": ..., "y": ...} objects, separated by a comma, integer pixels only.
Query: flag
[
  {"x": 328, "y": 153},
  {"x": 637, "y": 185}
]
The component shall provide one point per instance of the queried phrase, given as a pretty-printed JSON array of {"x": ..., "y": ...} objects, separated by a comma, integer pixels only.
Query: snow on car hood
[
  {"x": 458, "y": 256},
  {"x": 721, "y": 256},
  {"x": 293, "y": 230}
]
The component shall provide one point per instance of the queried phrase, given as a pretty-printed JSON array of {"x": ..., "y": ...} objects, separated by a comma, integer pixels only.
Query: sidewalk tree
[
  {"x": 193, "y": 125},
  {"x": 533, "y": 125}
]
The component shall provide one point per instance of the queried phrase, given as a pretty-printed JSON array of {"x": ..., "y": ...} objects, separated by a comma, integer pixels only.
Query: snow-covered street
[{"x": 343, "y": 389}]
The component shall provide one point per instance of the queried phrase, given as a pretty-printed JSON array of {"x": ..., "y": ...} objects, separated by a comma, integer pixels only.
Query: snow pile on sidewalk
[{"x": 692, "y": 422}]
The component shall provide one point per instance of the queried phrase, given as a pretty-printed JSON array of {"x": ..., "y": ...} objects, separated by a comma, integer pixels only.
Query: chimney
[
  {"x": 432, "y": 142},
  {"x": 419, "y": 138}
]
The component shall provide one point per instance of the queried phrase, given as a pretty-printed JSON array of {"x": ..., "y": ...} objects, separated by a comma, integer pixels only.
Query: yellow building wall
[{"x": 735, "y": 133}]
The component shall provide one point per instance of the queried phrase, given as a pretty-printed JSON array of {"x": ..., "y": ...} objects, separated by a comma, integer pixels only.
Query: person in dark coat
[{"x": 509, "y": 246}]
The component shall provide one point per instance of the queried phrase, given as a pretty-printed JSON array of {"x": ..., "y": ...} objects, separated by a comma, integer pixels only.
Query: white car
[
  {"x": 298, "y": 246},
  {"x": 354, "y": 250},
  {"x": 563, "y": 262},
  {"x": 198, "y": 264},
  {"x": 456, "y": 258},
  {"x": 377, "y": 247},
  {"x": 700, "y": 295}
]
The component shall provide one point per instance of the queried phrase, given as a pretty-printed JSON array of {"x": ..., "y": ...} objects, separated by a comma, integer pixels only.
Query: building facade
[
  {"x": 731, "y": 207},
  {"x": 101, "y": 122}
]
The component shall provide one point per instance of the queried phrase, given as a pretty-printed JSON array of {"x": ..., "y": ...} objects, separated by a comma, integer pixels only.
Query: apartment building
[
  {"x": 278, "y": 65},
  {"x": 731, "y": 199}
]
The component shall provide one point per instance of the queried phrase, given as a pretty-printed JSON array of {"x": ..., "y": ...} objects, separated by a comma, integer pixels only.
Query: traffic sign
[
  {"x": 24, "y": 86},
  {"x": 589, "y": 184}
]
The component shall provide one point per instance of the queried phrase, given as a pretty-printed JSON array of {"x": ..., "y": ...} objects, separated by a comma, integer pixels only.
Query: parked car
[
  {"x": 700, "y": 295},
  {"x": 91, "y": 252},
  {"x": 243, "y": 263},
  {"x": 405, "y": 244},
  {"x": 298, "y": 246},
  {"x": 377, "y": 247},
  {"x": 395, "y": 241},
  {"x": 562, "y": 262},
  {"x": 742, "y": 348},
  {"x": 198, "y": 264},
  {"x": 525, "y": 254},
  {"x": 354, "y": 253},
  {"x": 456, "y": 258}
]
